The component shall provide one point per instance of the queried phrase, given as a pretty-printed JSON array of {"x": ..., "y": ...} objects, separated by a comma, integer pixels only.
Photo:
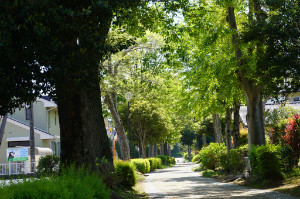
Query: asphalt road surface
[{"x": 181, "y": 182}]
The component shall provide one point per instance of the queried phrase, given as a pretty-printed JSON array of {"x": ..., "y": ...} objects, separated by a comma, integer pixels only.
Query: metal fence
[{"x": 12, "y": 168}]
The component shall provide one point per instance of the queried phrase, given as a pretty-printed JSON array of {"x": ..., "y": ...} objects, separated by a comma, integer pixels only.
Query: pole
[
  {"x": 129, "y": 129},
  {"x": 31, "y": 142}
]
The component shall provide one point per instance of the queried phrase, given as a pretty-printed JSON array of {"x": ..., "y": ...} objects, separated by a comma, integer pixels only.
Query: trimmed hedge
[
  {"x": 125, "y": 173},
  {"x": 167, "y": 160},
  {"x": 155, "y": 163},
  {"x": 142, "y": 165}
]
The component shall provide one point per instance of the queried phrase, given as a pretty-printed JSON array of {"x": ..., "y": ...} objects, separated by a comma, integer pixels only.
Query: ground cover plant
[{"x": 72, "y": 183}]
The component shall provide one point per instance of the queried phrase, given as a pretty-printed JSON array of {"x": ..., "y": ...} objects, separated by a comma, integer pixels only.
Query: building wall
[
  {"x": 53, "y": 122},
  {"x": 12, "y": 130},
  {"x": 39, "y": 112}
]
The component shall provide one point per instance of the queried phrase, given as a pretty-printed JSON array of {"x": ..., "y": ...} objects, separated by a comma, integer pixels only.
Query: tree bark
[
  {"x": 2, "y": 127},
  {"x": 162, "y": 149},
  {"x": 190, "y": 153},
  {"x": 228, "y": 129},
  {"x": 253, "y": 91},
  {"x": 84, "y": 139},
  {"x": 169, "y": 150},
  {"x": 236, "y": 125},
  {"x": 151, "y": 148},
  {"x": 124, "y": 144},
  {"x": 165, "y": 148},
  {"x": 204, "y": 140},
  {"x": 217, "y": 128},
  {"x": 155, "y": 150}
]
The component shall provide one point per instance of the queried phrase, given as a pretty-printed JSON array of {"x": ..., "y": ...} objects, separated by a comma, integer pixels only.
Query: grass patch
[
  {"x": 72, "y": 183},
  {"x": 211, "y": 173}
]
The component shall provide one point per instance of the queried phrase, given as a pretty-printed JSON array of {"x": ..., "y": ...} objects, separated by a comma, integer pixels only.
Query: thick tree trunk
[
  {"x": 162, "y": 149},
  {"x": 217, "y": 128},
  {"x": 2, "y": 127},
  {"x": 236, "y": 125},
  {"x": 228, "y": 129},
  {"x": 255, "y": 117},
  {"x": 84, "y": 139},
  {"x": 228, "y": 134},
  {"x": 253, "y": 91},
  {"x": 165, "y": 148},
  {"x": 169, "y": 150},
  {"x": 110, "y": 99},
  {"x": 204, "y": 140},
  {"x": 155, "y": 150},
  {"x": 143, "y": 150},
  {"x": 151, "y": 148},
  {"x": 190, "y": 153}
]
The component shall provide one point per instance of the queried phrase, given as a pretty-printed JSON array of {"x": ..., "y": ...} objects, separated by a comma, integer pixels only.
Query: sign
[{"x": 17, "y": 154}]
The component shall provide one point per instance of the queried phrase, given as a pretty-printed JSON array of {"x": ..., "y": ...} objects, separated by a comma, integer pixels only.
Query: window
[
  {"x": 53, "y": 147},
  {"x": 49, "y": 121},
  {"x": 18, "y": 143},
  {"x": 27, "y": 113}
]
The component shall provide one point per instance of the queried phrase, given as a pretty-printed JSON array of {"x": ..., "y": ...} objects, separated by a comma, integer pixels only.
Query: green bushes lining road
[
  {"x": 155, "y": 163},
  {"x": 142, "y": 165},
  {"x": 125, "y": 173}
]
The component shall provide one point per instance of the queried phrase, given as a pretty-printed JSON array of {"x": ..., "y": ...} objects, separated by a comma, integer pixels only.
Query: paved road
[{"x": 181, "y": 182}]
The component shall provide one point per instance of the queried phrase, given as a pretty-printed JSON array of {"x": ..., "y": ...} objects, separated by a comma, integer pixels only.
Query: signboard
[{"x": 17, "y": 154}]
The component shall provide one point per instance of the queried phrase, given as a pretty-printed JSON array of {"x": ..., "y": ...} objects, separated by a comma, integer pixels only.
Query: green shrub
[
  {"x": 265, "y": 161},
  {"x": 173, "y": 161},
  {"x": 243, "y": 136},
  {"x": 155, "y": 163},
  {"x": 48, "y": 164},
  {"x": 186, "y": 156},
  {"x": 237, "y": 162},
  {"x": 208, "y": 173},
  {"x": 224, "y": 161},
  {"x": 142, "y": 165},
  {"x": 72, "y": 183},
  {"x": 125, "y": 173},
  {"x": 210, "y": 155},
  {"x": 196, "y": 159},
  {"x": 287, "y": 159}
]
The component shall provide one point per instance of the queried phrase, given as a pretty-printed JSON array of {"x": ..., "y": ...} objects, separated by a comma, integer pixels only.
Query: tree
[
  {"x": 188, "y": 136},
  {"x": 149, "y": 122},
  {"x": 56, "y": 47}
]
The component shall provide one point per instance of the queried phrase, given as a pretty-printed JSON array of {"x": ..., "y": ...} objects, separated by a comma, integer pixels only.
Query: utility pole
[
  {"x": 2, "y": 127},
  {"x": 31, "y": 140}
]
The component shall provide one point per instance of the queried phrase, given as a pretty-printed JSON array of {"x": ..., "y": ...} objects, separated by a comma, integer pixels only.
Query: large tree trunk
[
  {"x": 255, "y": 117},
  {"x": 165, "y": 148},
  {"x": 228, "y": 129},
  {"x": 84, "y": 139},
  {"x": 151, "y": 148},
  {"x": 155, "y": 150},
  {"x": 2, "y": 127},
  {"x": 161, "y": 149},
  {"x": 236, "y": 125},
  {"x": 169, "y": 150},
  {"x": 217, "y": 127},
  {"x": 253, "y": 91}
]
